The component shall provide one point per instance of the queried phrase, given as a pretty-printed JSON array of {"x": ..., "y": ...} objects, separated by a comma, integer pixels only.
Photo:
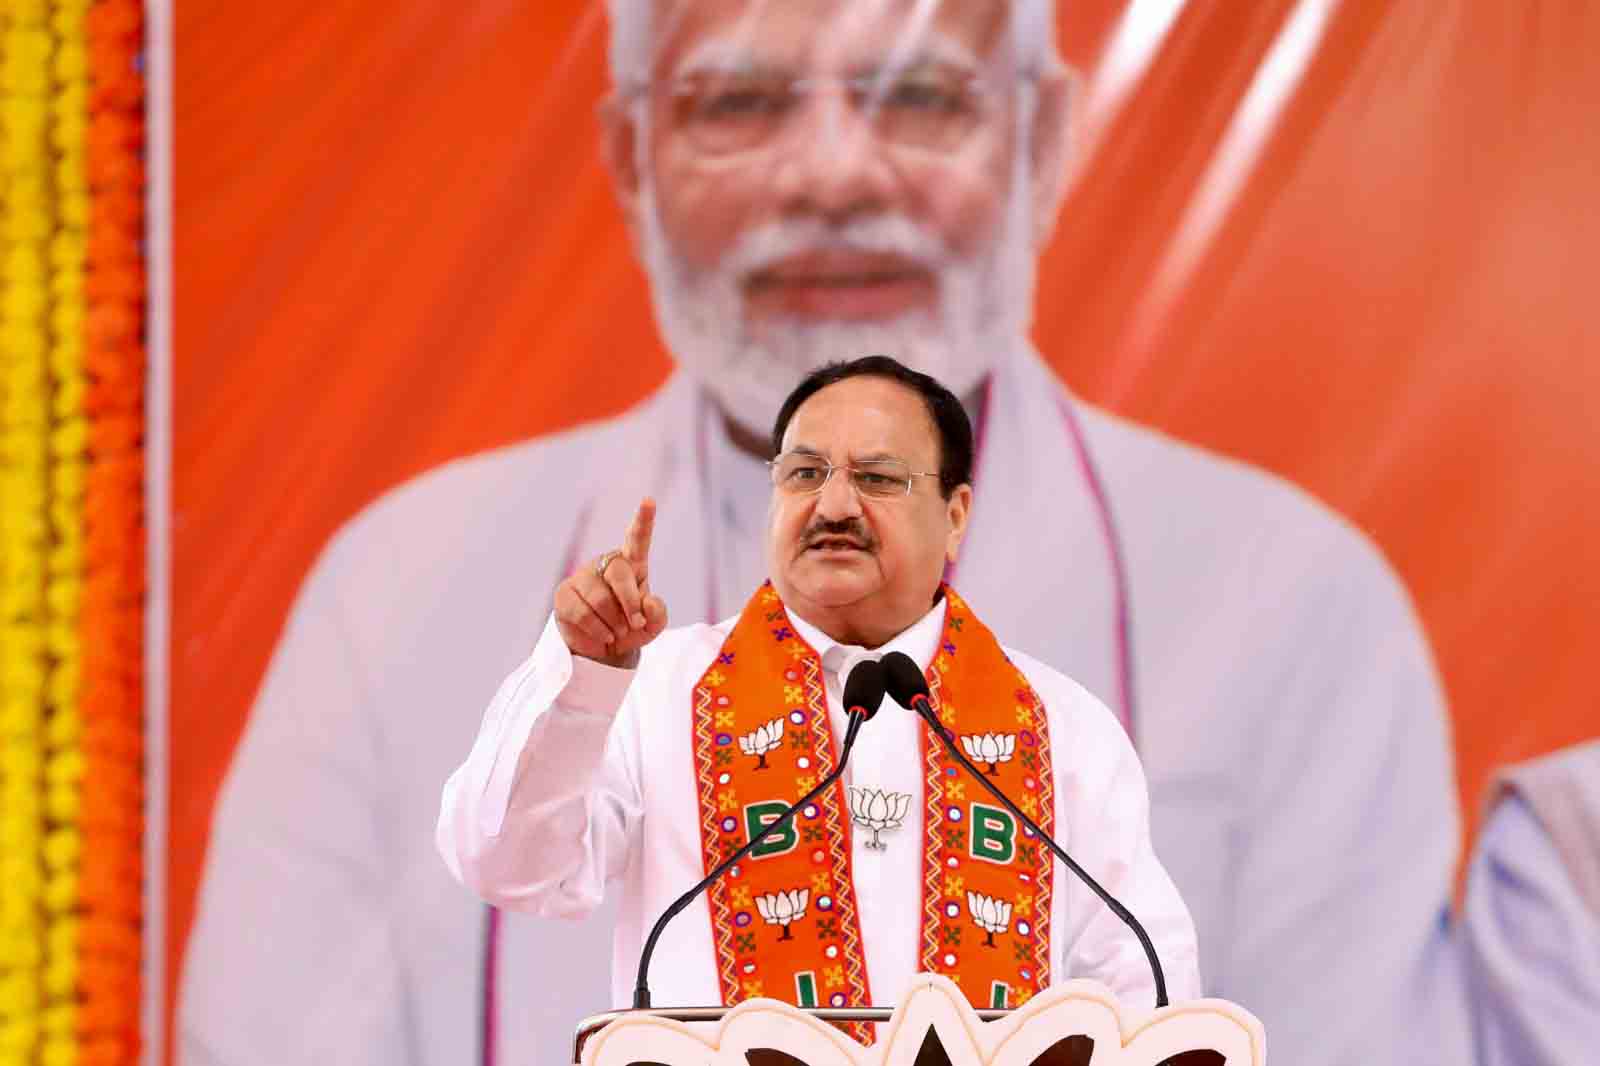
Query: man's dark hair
[{"x": 949, "y": 417}]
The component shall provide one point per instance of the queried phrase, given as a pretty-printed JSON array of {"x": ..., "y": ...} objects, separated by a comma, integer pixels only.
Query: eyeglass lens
[
  {"x": 798, "y": 474},
  {"x": 930, "y": 107}
]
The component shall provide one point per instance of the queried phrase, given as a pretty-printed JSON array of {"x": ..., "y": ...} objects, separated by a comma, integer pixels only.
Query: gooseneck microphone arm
[
  {"x": 914, "y": 696},
  {"x": 863, "y": 692}
]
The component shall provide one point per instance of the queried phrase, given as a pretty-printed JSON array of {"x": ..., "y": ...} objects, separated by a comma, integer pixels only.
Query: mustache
[
  {"x": 853, "y": 530},
  {"x": 761, "y": 248}
]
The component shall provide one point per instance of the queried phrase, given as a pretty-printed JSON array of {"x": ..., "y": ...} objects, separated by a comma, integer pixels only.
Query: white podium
[{"x": 1078, "y": 1023}]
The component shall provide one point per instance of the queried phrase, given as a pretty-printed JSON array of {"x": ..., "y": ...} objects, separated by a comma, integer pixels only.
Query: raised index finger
[{"x": 636, "y": 546}]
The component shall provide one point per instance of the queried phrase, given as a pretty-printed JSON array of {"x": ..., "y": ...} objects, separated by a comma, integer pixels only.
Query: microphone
[
  {"x": 864, "y": 689},
  {"x": 909, "y": 688},
  {"x": 863, "y": 692}
]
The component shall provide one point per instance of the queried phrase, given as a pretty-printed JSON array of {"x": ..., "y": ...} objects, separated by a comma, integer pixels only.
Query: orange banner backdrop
[{"x": 1365, "y": 264}]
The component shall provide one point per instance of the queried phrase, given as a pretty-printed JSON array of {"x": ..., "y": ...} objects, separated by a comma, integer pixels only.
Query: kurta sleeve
[
  {"x": 546, "y": 808},
  {"x": 1103, "y": 809}
]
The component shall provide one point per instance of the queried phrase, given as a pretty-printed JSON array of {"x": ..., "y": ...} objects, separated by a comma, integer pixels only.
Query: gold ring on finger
[{"x": 604, "y": 561}]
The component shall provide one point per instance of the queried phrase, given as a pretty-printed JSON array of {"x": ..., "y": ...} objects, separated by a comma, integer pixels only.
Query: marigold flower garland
[
  {"x": 25, "y": 183},
  {"x": 64, "y": 589},
  {"x": 71, "y": 553},
  {"x": 111, "y": 619}
]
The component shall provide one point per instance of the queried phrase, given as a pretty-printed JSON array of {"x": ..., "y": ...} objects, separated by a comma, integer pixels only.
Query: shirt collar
[{"x": 919, "y": 641}]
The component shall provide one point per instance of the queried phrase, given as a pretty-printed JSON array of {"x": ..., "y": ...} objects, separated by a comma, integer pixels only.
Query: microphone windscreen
[
  {"x": 903, "y": 680},
  {"x": 864, "y": 687}
]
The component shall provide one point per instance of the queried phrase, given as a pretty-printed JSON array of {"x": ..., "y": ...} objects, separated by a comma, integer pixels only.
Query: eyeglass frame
[
  {"x": 983, "y": 87},
  {"x": 911, "y": 475}
]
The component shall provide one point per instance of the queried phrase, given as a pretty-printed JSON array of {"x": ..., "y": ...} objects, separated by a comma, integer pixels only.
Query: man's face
[
  {"x": 841, "y": 552},
  {"x": 813, "y": 180}
]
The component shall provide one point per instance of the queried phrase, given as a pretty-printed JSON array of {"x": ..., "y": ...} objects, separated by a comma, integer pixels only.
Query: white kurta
[
  {"x": 1531, "y": 923},
  {"x": 1287, "y": 715},
  {"x": 570, "y": 787}
]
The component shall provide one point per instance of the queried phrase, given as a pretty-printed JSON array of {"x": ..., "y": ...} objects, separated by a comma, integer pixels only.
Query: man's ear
[
  {"x": 1053, "y": 143},
  {"x": 959, "y": 510},
  {"x": 619, "y": 142}
]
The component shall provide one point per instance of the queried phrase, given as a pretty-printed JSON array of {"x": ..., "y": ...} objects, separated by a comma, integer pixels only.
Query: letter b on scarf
[
  {"x": 994, "y": 834},
  {"x": 757, "y": 816}
]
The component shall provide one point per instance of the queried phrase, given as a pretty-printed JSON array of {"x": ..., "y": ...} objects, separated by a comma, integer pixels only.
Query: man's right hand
[{"x": 606, "y": 611}]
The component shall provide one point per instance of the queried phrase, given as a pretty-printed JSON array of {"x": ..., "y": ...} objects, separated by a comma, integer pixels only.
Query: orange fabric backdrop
[{"x": 395, "y": 244}]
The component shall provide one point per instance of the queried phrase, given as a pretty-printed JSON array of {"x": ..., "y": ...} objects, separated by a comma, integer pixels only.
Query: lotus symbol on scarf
[
  {"x": 992, "y": 748},
  {"x": 781, "y": 908},
  {"x": 989, "y": 914},
  {"x": 762, "y": 740},
  {"x": 877, "y": 810}
]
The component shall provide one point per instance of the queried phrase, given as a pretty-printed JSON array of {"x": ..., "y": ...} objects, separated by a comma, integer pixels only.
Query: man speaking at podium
[{"x": 624, "y": 751}]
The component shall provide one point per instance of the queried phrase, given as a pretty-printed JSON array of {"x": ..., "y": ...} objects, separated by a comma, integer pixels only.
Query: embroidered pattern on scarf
[{"x": 784, "y": 920}]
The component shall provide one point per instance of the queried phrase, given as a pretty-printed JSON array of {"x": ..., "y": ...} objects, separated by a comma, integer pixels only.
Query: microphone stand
[
  {"x": 641, "y": 988},
  {"x": 921, "y": 705}
]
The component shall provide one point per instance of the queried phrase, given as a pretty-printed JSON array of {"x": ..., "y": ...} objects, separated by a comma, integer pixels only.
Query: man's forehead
[{"x": 812, "y": 33}]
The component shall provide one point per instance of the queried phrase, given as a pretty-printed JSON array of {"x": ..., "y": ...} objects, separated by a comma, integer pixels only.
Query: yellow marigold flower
[
  {"x": 59, "y": 1051},
  {"x": 62, "y": 1018},
  {"x": 19, "y": 993},
  {"x": 61, "y": 890},
  {"x": 60, "y": 977},
  {"x": 63, "y": 848}
]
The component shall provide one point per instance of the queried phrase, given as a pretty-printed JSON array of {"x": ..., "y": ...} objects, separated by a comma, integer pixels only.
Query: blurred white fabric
[{"x": 1532, "y": 915}]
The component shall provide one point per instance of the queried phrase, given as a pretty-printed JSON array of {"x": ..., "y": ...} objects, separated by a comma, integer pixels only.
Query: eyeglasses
[
  {"x": 929, "y": 107},
  {"x": 802, "y": 474}
]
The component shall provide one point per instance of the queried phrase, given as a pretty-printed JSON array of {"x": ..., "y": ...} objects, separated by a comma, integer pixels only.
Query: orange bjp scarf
[{"x": 784, "y": 921}]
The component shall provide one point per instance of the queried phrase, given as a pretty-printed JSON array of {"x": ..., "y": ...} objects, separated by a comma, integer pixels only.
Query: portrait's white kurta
[
  {"x": 570, "y": 788},
  {"x": 1285, "y": 708}
]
